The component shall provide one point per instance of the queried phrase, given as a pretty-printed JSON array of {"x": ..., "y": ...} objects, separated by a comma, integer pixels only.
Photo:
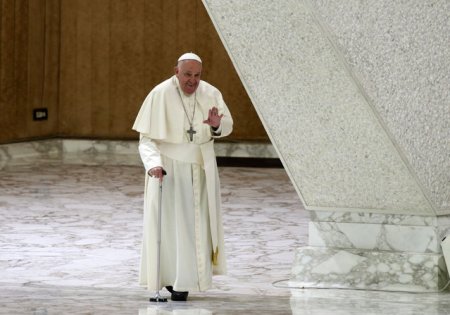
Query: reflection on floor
[{"x": 70, "y": 237}]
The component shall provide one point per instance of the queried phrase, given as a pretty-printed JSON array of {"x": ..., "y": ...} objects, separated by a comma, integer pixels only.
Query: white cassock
[{"x": 192, "y": 245}]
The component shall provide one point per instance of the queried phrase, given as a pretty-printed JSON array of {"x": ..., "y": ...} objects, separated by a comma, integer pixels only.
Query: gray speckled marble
[
  {"x": 374, "y": 270},
  {"x": 354, "y": 96},
  {"x": 71, "y": 232},
  {"x": 401, "y": 233},
  {"x": 374, "y": 251},
  {"x": 107, "y": 152},
  {"x": 70, "y": 235},
  {"x": 394, "y": 238},
  {"x": 339, "y": 151},
  {"x": 400, "y": 54}
]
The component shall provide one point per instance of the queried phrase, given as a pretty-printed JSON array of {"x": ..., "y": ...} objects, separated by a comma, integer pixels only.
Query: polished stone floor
[{"x": 70, "y": 238}]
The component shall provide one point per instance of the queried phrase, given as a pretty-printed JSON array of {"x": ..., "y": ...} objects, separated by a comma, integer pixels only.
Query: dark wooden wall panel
[
  {"x": 7, "y": 73},
  {"x": 68, "y": 103},
  {"x": 92, "y": 63},
  {"x": 101, "y": 99},
  {"x": 50, "y": 81},
  {"x": 29, "y": 67},
  {"x": 20, "y": 123}
]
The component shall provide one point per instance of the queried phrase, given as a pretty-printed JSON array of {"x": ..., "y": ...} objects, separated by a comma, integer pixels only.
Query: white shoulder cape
[{"x": 161, "y": 116}]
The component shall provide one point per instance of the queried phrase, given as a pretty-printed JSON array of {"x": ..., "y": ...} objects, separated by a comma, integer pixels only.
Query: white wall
[{"x": 353, "y": 94}]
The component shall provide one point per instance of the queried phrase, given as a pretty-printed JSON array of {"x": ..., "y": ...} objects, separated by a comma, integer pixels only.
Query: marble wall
[
  {"x": 353, "y": 95},
  {"x": 378, "y": 252},
  {"x": 107, "y": 152},
  {"x": 399, "y": 54}
]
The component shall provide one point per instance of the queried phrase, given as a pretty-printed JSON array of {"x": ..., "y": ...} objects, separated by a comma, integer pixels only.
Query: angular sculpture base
[
  {"x": 369, "y": 270},
  {"x": 373, "y": 252}
]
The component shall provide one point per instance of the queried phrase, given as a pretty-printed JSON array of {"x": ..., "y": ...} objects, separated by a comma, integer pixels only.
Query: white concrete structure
[{"x": 355, "y": 98}]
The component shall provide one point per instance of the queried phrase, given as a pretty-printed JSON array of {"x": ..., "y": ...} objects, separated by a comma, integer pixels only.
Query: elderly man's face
[{"x": 188, "y": 73}]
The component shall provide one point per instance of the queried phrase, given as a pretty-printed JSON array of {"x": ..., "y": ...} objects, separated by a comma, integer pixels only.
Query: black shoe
[
  {"x": 169, "y": 288},
  {"x": 179, "y": 296}
]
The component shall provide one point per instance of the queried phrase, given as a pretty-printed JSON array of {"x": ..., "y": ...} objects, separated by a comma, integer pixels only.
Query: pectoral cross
[{"x": 191, "y": 132}]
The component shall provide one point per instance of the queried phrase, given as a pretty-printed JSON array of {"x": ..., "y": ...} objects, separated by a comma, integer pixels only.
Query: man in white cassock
[{"x": 178, "y": 122}]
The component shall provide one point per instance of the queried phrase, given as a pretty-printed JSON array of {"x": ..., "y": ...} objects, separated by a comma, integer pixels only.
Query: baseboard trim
[{"x": 249, "y": 162}]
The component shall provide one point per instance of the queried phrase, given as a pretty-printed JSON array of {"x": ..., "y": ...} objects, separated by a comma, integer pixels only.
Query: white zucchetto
[{"x": 190, "y": 56}]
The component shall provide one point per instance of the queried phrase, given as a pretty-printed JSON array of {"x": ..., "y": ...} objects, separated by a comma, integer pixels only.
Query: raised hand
[{"x": 213, "y": 117}]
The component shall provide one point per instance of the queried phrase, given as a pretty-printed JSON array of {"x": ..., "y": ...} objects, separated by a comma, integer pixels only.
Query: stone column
[
  {"x": 354, "y": 97},
  {"x": 373, "y": 251}
]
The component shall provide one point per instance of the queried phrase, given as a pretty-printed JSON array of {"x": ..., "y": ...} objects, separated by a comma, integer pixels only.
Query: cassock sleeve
[
  {"x": 149, "y": 153},
  {"x": 216, "y": 132}
]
